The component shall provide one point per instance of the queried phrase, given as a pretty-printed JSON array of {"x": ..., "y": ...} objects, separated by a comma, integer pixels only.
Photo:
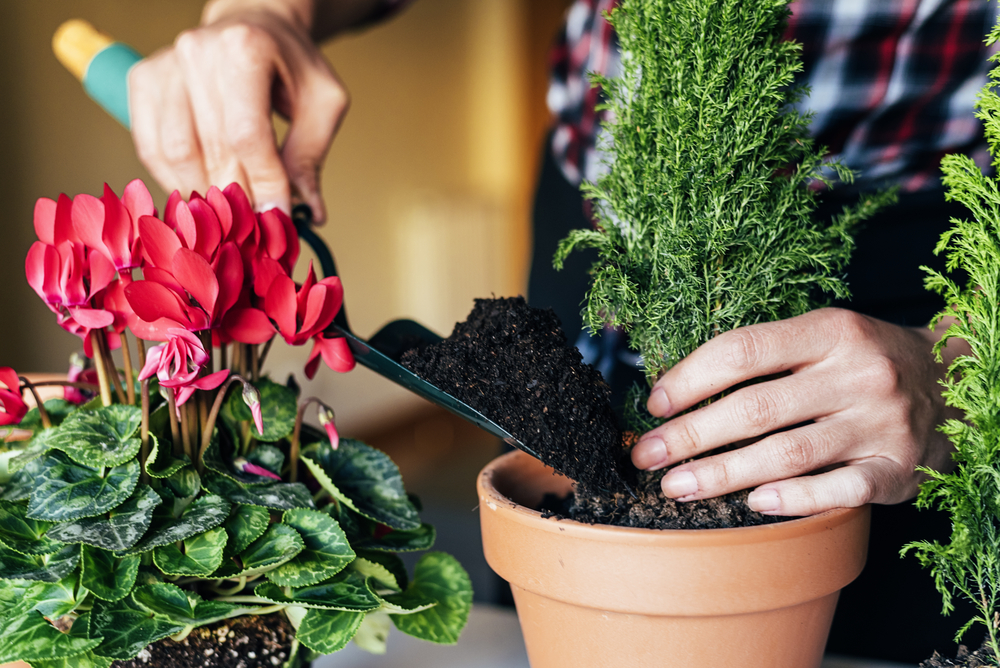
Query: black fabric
[{"x": 892, "y": 611}]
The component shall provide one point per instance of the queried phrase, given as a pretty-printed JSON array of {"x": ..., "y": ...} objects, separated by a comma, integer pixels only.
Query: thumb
[{"x": 316, "y": 115}]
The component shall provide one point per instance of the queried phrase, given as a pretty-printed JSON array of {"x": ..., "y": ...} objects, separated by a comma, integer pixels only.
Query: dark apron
[{"x": 892, "y": 611}]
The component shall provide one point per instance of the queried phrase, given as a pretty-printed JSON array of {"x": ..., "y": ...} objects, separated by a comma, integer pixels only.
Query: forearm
[{"x": 322, "y": 19}]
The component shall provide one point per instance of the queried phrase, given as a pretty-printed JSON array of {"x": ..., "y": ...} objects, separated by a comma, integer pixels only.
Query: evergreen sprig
[
  {"x": 705, "y": 216},
  {"x": 969, "y": 565}
]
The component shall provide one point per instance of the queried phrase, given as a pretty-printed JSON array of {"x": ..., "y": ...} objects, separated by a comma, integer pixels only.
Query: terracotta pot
[{"x": 600, "y": 596}]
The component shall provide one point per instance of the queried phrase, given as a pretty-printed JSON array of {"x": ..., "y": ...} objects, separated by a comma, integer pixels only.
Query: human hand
[
  {"x": 201, "y": 108},
  {"x": 861, "y": 404}
]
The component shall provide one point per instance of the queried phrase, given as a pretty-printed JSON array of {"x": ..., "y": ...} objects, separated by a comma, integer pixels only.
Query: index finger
[{"x": 740, "y": 355}]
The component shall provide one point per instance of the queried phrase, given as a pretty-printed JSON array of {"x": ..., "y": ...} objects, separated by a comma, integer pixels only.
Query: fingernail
[
  {"x": 267, "y": 206},
  {"x": 677, "y": 484},
  {"x": 658, "y": 403},
  {"x": 764, "y": 500},
  {"x": 649, "y": 452}
]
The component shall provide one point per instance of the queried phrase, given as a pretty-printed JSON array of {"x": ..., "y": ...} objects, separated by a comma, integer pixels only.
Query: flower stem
[
  {"x": 187, "y": 425},
  {"x": 42, "y": 413},
  {"x": 293, "y": 449},
  {"x": 102, "y": 369},
  {"x": 222, "y": 355},
  {"x": 127, "y": 360},
  {"x": 254, "y": 364},
  {"x": 213, "y": 415},
  {"x": 264, "y": 351},
  {"x": 175, "y": 432},
  {"x": 112, "y": 370},
  {"x": 144, "y": 430}
]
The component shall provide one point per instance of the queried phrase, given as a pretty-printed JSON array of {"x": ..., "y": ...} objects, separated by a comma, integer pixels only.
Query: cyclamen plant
[
  {"x": 168, "y": 502},
  {"x": 969, "y": 565}
]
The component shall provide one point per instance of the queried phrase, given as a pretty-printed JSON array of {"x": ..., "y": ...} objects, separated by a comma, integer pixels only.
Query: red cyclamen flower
[
  {"x": 178, "y": 364},
  {"x": 12, "y": 406}
]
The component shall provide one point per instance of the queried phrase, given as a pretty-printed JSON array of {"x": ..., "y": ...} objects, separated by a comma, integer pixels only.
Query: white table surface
[{"x": 491, "y": 640}]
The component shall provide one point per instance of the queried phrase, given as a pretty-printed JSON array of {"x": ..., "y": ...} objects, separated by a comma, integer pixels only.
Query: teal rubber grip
[{"x": 106, "y": 79}]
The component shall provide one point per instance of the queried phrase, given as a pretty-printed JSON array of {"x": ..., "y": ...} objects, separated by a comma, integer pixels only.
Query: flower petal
[
  {"x": 41, "y": 267},
  {"x": 193, "y": 272},
  {"x": 159, "y": 242},
  {"x": 138, "y": 201},
  {"x": 88, "y": 222},
  {"x": 280, "y": 306},
  {"x": 247, "y": 325},
  {"x": 223, "y": 211},
  {"x": 229, "y": 272},
  {"x": 265, "y": 270},
  {"x": 337, "y": 354},
  {"x": 187, "y": 229},
  {"x": 209, "y": 230},
  {"x": 212, "y": 380},
  {"x": 117, "y": 232},
  {"x": 244, "y": 220},
  {"x": 152, "y": 301},
  {"x": 45, "y": 220},
  {"x": 92, "y": 318}
]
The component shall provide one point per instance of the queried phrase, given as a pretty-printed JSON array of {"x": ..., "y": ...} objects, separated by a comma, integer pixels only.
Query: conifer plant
[
  {"x": 968, "y": 565},
  {"x": 705, "y": 217}
]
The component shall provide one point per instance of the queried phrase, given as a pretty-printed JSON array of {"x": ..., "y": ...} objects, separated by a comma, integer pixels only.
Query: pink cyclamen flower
[
  {"x": 303, "y": 313},
  {"x": 251, "y": 397},
  {"x": 12, "y": 406},
  {"x": 110, "y": 226},
  {"x": 248, "y": 467},
  {"x": 178, "y": 364},
  {"x": 326, "y": 420},
  {"x": 334, "y": 351}
]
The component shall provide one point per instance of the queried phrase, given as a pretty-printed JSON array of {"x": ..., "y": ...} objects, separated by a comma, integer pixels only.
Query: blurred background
[{"x": 428, "y": 185}]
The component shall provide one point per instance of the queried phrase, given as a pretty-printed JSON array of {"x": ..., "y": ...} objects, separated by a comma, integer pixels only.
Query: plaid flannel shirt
[{"x": 893, "y": 83}]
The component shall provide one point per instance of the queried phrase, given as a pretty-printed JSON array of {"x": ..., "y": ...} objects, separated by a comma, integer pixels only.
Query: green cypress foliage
[
  {"x": 705, "y": 217},
  {"x": 969, "y": 565}
]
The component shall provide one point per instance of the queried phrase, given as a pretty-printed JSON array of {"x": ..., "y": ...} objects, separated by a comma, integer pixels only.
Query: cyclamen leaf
[
  {"x": 206, "y": 512},
  {"x": 278, "y": 545},
  {"x": 127, "y": 628},
  {"x": 37, "y": 447},
  {"x": 366, "y": 479},
  {"x": 184, "y": 483},
  {"x": 244, "y": 525},
  {"x": 347, "y": 590},
  {"x": 327, "y": 631},
  {"x": 381, "y": 573},
  {"x": 179, "y": 606},
  {"x": 437, "y": 577},
  {"x": 374, "y": 632},
  {"x": 326, "y": 551},
  {"x": 268, "y": 457},
  {"x": 102, "y": 437},
  {"x": 85, "y": 660},
  {"x": 275, "y": 495},
  {"x": 66, "y": 491},
  {"x": 47, "y": 568},
  {"x": 416, "y": 540},
  {"x": 278, "y": 408},
  {"x": 31, "y": 637},
  {"x": 22, "y": 534},
  {"x": 161, "y": 463},
  {"x": 54, "y": 599},
  {"x": 107, "y": 577},
  {"x": 12, "y": 594},
  {"x": 23, "y": 482},
  {"x": 123, "y": 529},
  {"x": 201, "y": 556}
]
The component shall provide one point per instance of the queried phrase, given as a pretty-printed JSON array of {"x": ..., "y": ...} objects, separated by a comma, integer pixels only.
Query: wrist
[{"x": 298, "y": 13}]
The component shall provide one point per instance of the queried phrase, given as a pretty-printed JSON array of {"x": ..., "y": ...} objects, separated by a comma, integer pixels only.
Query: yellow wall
[{"x": 428, "y": 184}]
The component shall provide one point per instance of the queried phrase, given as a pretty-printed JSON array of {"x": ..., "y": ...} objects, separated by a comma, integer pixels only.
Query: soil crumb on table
[
  {"x": 981, "y": 658},
  {"x": 511, "y": 362},
  {"x": 242, "y": 642}
]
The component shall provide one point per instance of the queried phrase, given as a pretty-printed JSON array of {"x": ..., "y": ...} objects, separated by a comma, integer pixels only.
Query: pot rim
[{"x": 794, "y": 528}]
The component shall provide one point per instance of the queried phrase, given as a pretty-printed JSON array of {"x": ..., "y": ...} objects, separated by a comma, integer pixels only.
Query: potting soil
[
  {"x": 981, "y": 658},
  {"x": 511, "y": 362},
  {"x": 242, "y": 642}
]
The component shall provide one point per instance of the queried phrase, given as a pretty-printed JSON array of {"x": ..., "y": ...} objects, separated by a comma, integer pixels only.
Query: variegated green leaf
[
  {"x": 22, "y": 483},
  {"x": 85, "y": 660},
  {"x": 122, "y": 529},
  {"x": 184, "y": 483},
  {"x": 244, "y": 525},
  {"x": 438, "y": 577},
  {"x": 206, "y": 512},
  {"x": 366, "y": 479},
  {"x": 327, "y": 551},
  {"x": 65, "y": 491},
  {"x": 407, "y": 603},
  {"x": 278, "y": 407},
  {"x": 202, "y": 554},
  {"x": 379, "y": 573},
  {"x": 36, "y": 447},
  {"x": 179, "y": 606},
  {"x": 58, "y": 410},
  {"x": 102, "y": 437},
  {"x": 374, "y": 632},
  {"x": 106, "y": 576},
  {"x": 22, "y": 534},
  {"x": 55, "y": 599},
  {"x": 161, "y": 463},
  {"x": 328, "y": 631},
  {"x": 278, "y": 545},
  {"x": 31, "y": 637},
  {"x": 347, "y": 590},
  {"x": 47, "y": 567},
  {"x": 12, "y": 594},
  {"x": 416, "y": 540},
  {"x": 275, "y": 495},
  {"x": 127, "y": 628},
  {"x": 268, "y": 457}
]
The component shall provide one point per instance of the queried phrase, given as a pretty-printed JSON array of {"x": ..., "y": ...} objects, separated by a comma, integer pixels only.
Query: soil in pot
[
  {"x": 512, "y": 363},
  {"x": 981, "y": 658},
  {"x": 242, "y": 642}
]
